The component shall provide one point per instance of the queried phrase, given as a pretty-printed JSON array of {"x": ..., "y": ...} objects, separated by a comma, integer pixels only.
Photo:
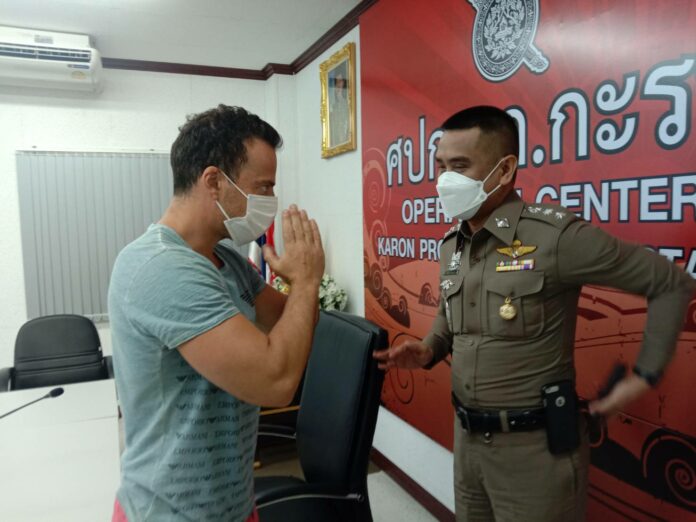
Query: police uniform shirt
[{"x": 509, "y": 297}]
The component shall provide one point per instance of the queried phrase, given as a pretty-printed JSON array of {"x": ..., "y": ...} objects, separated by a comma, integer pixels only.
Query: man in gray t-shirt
[{"x": 199, "y": 340}]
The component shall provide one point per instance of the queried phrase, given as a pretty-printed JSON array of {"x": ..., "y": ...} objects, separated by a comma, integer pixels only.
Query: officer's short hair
[
  {"x": 216, "y": 138},
  {"x": 491, "y": 120}
]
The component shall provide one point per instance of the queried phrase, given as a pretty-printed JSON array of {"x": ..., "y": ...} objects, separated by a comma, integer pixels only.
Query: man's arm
[
  {"x": 269, "y": 304},
  {"x": 588, "y": 255},
  {"x": 419, "y": 354},
  {"x": 261, "y": 368}
]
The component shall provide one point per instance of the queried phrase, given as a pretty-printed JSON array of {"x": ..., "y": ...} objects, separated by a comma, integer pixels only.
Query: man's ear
[
  {"x": 211, "y": 180},
  {"x": 509, "y": 167}
]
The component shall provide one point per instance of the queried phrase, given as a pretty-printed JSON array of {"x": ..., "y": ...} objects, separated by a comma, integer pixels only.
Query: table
[{"x": 60, "y": 456}]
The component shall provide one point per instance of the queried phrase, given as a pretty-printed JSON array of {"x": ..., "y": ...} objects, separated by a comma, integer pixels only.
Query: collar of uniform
[{"x": 510, "y": 209}]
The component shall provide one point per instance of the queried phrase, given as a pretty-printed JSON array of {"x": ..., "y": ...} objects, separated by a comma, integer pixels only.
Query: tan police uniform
[{"x": 509, "y": 297}]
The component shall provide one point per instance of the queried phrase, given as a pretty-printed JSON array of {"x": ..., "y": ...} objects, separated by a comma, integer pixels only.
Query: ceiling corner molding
[
  {"x": 276, "y": 68},
  {"x": 182, "y": 68},
  {"x": 329, "y": 38}
]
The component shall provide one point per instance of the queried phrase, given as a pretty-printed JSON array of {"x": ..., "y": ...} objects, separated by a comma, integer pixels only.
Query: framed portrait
[{"x": 338, "y": 83}]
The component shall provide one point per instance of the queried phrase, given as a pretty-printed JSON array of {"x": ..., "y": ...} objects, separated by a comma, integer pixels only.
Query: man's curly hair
[{"x": 216, "y": 138}]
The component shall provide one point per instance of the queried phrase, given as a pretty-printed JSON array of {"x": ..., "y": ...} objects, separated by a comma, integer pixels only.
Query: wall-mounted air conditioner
[{"x": 49, "y": 60}]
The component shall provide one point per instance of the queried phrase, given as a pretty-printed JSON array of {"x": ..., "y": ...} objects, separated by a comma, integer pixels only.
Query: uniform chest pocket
[
  {"x": 451, "y": 291},
  {"x": 523, "y": 292}
]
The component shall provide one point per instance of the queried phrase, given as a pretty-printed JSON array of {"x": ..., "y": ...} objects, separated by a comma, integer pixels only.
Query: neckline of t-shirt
[{"x": 173, "y": 234}]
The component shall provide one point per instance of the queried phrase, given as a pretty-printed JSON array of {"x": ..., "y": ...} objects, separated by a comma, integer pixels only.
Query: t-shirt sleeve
[
  {"x": 255, "y": 280},
  {"x": 243, "y": 268},
  {"x": 175, "y": 297}
]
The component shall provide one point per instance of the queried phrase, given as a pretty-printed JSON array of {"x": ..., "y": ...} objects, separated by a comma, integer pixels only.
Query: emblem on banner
[{"x": 503, "y": 38}]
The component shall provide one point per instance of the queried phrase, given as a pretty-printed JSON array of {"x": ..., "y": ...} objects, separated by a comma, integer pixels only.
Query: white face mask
[
  {"x": 461, "y": 197},
  {"x": 260, "y": 213}
]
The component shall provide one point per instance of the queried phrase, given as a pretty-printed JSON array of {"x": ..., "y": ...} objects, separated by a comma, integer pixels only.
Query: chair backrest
[
  {"x": 340, "y": 400},
  {"x": 57, "y": 349}
]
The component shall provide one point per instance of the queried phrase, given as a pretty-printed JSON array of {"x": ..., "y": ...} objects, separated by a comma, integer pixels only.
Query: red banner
[{"x": 602, "y": 93}]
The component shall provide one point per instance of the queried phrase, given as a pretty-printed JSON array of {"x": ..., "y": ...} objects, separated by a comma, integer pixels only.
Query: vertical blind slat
[{"x": 77, "y": 211}]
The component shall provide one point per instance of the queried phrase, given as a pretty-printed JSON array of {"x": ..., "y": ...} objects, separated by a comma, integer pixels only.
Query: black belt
[{"x": 489, "y": 421}]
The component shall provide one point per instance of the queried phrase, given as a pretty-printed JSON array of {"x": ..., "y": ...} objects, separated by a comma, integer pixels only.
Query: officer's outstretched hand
[
  {"x": 626, "y": 390},
  {"x": 409, "y": 355},
  {"x": 302, "y": 260}
]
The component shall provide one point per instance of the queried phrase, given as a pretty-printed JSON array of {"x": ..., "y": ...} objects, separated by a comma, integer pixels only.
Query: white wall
[
  {"x": 142, "y": 111},
  {"x": 331, "y": 190},
  {"x": 136, "y": 111}
]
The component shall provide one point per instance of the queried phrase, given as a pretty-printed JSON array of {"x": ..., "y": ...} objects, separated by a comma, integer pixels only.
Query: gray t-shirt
[{"x": 189, "y": 445}]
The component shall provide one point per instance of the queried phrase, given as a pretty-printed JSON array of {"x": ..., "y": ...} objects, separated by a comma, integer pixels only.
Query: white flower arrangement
[{"x": 331, "y": 296}]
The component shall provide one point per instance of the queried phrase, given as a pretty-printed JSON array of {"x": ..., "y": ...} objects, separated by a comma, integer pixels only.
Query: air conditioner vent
[{"x": 37, "y": 52}]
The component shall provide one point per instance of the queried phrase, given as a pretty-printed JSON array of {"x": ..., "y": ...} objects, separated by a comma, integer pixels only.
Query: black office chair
[
  {"x": 335, "y": 426},
  {"x": 56, "y": 349}
]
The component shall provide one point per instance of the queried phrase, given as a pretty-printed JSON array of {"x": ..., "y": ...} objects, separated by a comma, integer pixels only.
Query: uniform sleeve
[
  {"x": 439, "y": 339},
  {"x": 175, "y": 298},
  {"x": 588, "y": 255}
]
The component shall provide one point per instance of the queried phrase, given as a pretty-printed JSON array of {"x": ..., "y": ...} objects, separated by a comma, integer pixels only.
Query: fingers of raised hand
[
  {"x": 306, "y": 227},
  {"x": 296, "y": 220},
  {"x": 288, "y": 231},
  {"x": 315, "y": 232}
]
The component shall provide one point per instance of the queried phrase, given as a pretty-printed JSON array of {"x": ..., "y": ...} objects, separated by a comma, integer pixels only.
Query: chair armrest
[
  {"x": 277, "y": 431},
  {"x": 109, "y": 362},
  {"x": 295, "y": 491},
  {"x": 5, "y": 379}
]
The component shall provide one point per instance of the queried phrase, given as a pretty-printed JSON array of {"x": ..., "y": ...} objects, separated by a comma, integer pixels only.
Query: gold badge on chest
[
  {"x": 508, "y": 311},
  {"x": 517, "y": 249}
]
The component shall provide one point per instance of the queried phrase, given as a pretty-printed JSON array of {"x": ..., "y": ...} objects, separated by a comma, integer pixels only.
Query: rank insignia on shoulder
[
  {"x": 517, "y": 249},
  {"x": 455, "y": 263},
  {"x": 534, "y": 210},
  {"x": 559, "y": 215},
  {"x": 502, "y": 223},
  {"x": 445, "y": 285},
  {"x": 516, "y": 265}
]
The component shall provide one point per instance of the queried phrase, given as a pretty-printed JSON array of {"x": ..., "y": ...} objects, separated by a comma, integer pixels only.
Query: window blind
[{"x": 77, "y": 211}]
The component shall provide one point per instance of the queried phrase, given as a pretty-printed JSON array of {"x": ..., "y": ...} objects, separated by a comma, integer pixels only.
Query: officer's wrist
[
  {"x": 652, "y": 378},
  {"x": 431, "y": 360}
]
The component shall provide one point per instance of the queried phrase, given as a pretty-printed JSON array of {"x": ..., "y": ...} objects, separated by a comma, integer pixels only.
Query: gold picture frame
[{"x": 338, "y": 83}]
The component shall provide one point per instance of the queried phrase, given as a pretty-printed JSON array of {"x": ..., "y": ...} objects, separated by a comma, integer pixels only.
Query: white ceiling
[{"x": 225, "y": 33}]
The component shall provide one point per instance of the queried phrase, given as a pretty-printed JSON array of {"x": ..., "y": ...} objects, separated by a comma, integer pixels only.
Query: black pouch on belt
[{"x": 561, "y": 412}]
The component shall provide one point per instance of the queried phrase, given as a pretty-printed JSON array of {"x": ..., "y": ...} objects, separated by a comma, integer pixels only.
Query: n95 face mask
[{"x": 461, "y": 197}]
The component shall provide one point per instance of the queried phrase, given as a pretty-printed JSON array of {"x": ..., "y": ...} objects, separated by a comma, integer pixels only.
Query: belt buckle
[{"x": 464, "y": 417}]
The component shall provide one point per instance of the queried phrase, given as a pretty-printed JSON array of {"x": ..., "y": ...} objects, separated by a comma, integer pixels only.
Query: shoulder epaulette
[{"x": 555, "y": 215}]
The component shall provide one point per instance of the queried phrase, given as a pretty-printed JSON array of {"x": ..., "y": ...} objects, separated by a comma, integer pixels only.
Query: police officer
[{"x": 510, "y": 278}]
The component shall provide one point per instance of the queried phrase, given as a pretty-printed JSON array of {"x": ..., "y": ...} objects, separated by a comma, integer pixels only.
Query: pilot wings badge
[
  {"x": 517, "y": 249},
  {"x": 503, "y": 38}
]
